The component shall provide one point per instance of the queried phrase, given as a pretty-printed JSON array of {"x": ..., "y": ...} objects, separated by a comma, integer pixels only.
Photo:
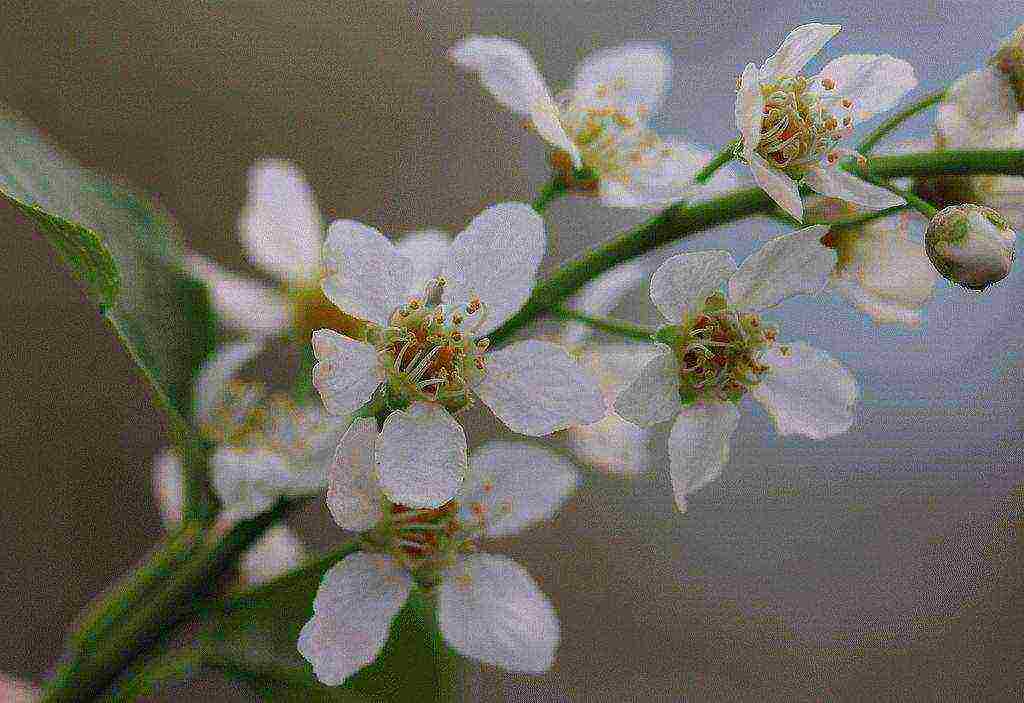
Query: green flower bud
[{"x": 970, "y": 245}]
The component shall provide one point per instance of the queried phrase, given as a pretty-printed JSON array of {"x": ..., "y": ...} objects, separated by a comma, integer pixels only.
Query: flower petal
[
  {"x": 421, "y": 456},
  {"x": 243, "y": 303},
  {"x": 663, "y": 179},
  {"x": 509, "y": 73},
  {"x": 798, "y": 48},
  {"x": 277, "y": 552},
  {"x": 682, "y": 284},
  {"x": 779, "y": 187},
  {"x": 346, "y": 373},
  {"x": 357, "y": 600},
  {"x": 698, "y": 446},
  {"x": 215, "y": 374},
  {"x": 749, "y": 108},
  {"x": 512, "y": 485},
  {"x": 783, "y": 267},
  {"x": 167, "y": 486},
  {"x": 838, "y": 183},
  {"x": 496, "y": 257},
  {"x": 653, "y": 396},
  {"x": 353, "y": 492},
  {"x": 280, "y": 223},
  {"x": 806, "y": 391},
  {"x": 536, "y": 388},
  {"x": 635, "y": 75},
  {"x": 875, "y": 83},
  {"x": 366, "y": 277},
  {"x": 427, "y": 249},
  {"x": 248, "y": 481},
  {"x": 979, "y": 111},
  {"x": 490, "y": 609}
]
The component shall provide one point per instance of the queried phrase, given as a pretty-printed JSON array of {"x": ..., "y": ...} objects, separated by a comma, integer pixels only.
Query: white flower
[
  {"x": 426, "y": 357},
  {"x": 488, "y": 607},
  {"x": 716, "y": 349},
  {"x": 598, "y": 128},
  {"x": 14, "y": 691},
  {"x": 791, "y": 126}
]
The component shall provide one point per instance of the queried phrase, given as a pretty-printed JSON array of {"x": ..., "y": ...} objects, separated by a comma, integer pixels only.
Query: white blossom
[
  {"x": 425, "y": 354},
  {"x": 792, "y": 126},
  {"x": 716, "y": 349},
  {"x": 598, "y": 128}
]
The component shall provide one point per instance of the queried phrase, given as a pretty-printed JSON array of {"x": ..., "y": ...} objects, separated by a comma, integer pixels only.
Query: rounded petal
[
  {"x": 353, "y": 492},
  {"x": 215, "y": 374},
  {"x": 806, "y": 391},
  {"x": 637, "y": 74},
  {"x": 612, "y": 445},
  {"x": 798, "y": 48},
  {"x": 352, "y": 613},
  {"x": 496, "y": 257},
  {"x": 366, "y": 277},
  {"x": 698, "y": 446},
  {"x": 512, "y": 485},
  {"x": 276, "y": 553},
  {"x": 874, "y": 82},
  {"x": 682, "y": 284},
  {"x": 490, "y": 609},
  {"x": 783, "y": 267},
  {"x": 248, "y": 481},
  {"x": 653, "y": 395},
  {"x": 838, "y": 183},
  {"x": 346, "y": 372},
  {"x": 280, "y": 223},
  {"x": 779, "y": 187},
  {"x": 427, "y": 249},
  {"x": 421, "y": 456},
  {"x": 536, "y": 388},
  {"x": 749, "y": 108},
  {"x": 243, "y": 303},
  {"x": 979, "y": 110},
  {"x": 167, "y": 486},
  {"x": 661, "y": 180}
]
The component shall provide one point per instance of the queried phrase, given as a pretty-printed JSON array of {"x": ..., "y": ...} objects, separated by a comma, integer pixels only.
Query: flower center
[
  {"x": 799, "y": 126},
  {"x": 718, "y": 351}
]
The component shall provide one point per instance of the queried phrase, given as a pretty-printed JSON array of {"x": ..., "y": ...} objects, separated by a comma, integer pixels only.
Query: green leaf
[{"x": 162, "y": 315}]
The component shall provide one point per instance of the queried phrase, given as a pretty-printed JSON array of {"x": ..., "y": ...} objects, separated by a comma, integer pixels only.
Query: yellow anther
[{"x": 828, "y": 84}]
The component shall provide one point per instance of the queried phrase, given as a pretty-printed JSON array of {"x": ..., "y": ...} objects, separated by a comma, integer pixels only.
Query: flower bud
[
  {"x": 971, "y": 245},
  {"x": 1009, "y": 60}
]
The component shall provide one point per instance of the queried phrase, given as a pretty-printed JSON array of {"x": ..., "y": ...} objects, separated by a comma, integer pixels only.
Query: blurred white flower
[
  {"x": 14, "y": 691},
  {"x": 791, "y": 126},
  {"x": 717, "y": 349},
  {"x": 488, "y": 607},
  {"x": 426, "y": 354},
  {"x": 598, "y": 128}
]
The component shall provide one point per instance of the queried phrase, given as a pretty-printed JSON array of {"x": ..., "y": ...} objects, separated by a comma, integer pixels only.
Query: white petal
[
  {"x": 536, "y": 388},
  {"x": 512, "y": 485},
  {"x": 779, "y": 187},
  {"x": 612, "y": 445},
  {"x": 15, "y": 691},
  {"x": 682, "y": 284},
  {"x": 653, "y": 396},
  {"x": 280, "y": 223},
  {"x": 276, "y": 553},
  {"x": 490, "y": 609},
  {"x": 806, "y": 391},
  {"x": 167, "y": 486},
  {"x": 749, "y": 108},
  {"x": 783, "y": 267},
  {"x": 421, "y": 456},
  {"x": 636, "y": 74},
  {"x": 664, "y": 179},
  {"x": 496, "y": 257},
  {"x": 217, "y": 371},
  {"x": 248, "y": 481},
  {"x": 507, "y": 71},
  {"x": 353, "y": 492},
  {"x": 875, "y": 83},
  {"x": 603, "y": 294},
  {"x": 800, "y": 46},
  {"x": 366, "y": 277},
  {"x": 357, "y": 600},
  {"x": 427, "y": 249},
  {"x": 698, "y": 446},
  {"x": 838, "y": 183},
  {"x": 241, "y": 302},
  {"x": 979, "y": 109},
  {"x": 346, "y": 372}
]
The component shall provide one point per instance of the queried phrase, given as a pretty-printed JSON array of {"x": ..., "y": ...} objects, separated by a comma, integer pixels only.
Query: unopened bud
[
  {"x": 971, "y": 245},
  {"x": 1009, "y": 61}
]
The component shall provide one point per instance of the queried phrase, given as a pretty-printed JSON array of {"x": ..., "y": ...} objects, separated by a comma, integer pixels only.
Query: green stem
[
  {"x": 555, "y": 189},
  {"x": 948, "y": 163},
  {"x": 606, "y": 324},
  {"x": 861, "y": 219},
  {"x": 727, "y": 154},
  {"x": 145, "y": 677},
  {"x": 914, "y": 201},
  {"x": 890, "y": 125}
]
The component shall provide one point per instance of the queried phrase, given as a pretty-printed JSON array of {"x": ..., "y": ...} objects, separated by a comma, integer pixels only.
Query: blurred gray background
[{"x": 884, "y": 564}]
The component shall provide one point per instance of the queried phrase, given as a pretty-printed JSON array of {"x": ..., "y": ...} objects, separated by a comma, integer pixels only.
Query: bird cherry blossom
[
  {"x": 792, "y": 126},
  {"x": 717, "y": 349},
  {"x": 487, "y": 606},
  {"x": 598, "y": 129},
  {"x": 425, "y": 355}
]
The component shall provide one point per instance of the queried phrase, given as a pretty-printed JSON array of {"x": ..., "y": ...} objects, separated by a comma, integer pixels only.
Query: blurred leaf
[
  {"x": 163, "y": 316},
  {"x": 254, "y": 640}
]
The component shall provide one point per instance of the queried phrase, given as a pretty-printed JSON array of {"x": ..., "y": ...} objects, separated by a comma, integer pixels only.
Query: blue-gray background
[{"x": 886, "y": 563}]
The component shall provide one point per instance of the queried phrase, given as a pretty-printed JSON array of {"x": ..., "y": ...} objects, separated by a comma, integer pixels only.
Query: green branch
[
  {"x": 555, "y": 189},
  {"x": 727, "y": 154},
  {"x": 606, "y": 324}
]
